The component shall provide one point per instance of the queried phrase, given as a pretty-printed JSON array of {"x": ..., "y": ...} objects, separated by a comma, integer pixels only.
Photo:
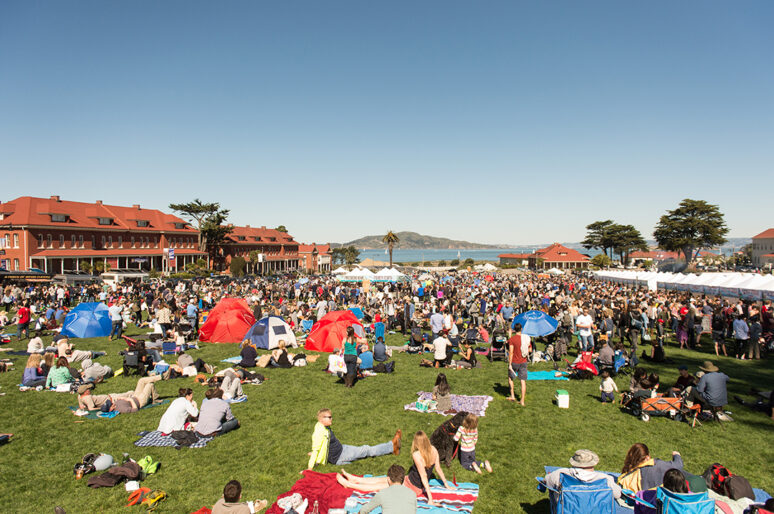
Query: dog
[{"x": 443, "y": 438}]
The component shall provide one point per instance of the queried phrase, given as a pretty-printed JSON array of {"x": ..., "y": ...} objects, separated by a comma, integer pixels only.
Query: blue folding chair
[
  {"x": 306, "y": 324},
  {"x": 577, "y": 497},
  {"x": 378, "y": 330},
  {"x": 168, "y": 347},
  {"x": 668, "y": 502}
]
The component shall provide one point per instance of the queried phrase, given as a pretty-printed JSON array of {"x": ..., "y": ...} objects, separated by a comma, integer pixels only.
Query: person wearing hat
[
  {"x": 89, "y": 401},
  {"x": 582, "y": 462},
  {"x": 711, "y": 389}
]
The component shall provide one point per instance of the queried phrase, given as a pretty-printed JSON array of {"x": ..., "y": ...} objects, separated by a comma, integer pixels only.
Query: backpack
[
  {"x": 384, "y": 367},
  {"x": 722, "y": 481},
  {"x": 86, "y": 465}
]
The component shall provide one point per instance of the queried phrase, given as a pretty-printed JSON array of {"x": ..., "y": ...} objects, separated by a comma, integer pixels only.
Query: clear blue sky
[{"x": 500, "y": 122}]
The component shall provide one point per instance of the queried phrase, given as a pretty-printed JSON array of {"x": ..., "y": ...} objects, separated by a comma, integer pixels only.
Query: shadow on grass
[
  {"x": 540, "y": 507},
  {"x": 502, "y": 390}
]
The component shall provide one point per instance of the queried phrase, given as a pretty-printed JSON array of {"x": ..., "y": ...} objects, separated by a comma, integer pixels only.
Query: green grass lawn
[{"x": 271, "y": 447}]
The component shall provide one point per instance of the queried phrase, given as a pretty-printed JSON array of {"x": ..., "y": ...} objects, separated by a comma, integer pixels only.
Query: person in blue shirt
[
  {"x": 49, "y": 313},
  {"x": 192, "y": 313}
]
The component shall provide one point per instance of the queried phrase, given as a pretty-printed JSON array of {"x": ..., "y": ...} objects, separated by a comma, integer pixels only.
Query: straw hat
[
  {"x": 709, "y": 367},
  {"x": 584, "y": 459}
]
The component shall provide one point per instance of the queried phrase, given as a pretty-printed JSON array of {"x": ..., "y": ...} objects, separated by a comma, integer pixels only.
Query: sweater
[
  {"x": 396, "y": 499},
  {"x": 60, "y": 375}
]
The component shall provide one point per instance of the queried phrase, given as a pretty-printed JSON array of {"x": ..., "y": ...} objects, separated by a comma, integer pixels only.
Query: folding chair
[
  {"x": 668, "y": 502},
  {"x": 378, "y": 330},
  {"x": 576, "y": 497},
  {"x": 306, "y": 324},
  {"x": 169, "y": 348}
]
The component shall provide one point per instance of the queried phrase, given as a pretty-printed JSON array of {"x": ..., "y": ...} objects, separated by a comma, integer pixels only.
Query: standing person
[
  {"x": 116, "y": 320},
  {"x": 584, "y": 324},
  {"x": 23, "y": 322},
  {"x": 349, "y": 351},
  {"x": 519, "y": 346},
  {"x": 408, "y": 314},
  {"x": 192, "y": 314},
  {"x": 164, "y": 318},
  {"x": 742, "y": 335},
  {"x": 607, "y": 388},
  {"x": 327, "y": 448}
]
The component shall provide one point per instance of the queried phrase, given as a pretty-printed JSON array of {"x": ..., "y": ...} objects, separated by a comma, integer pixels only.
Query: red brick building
[
  {"x": 55, "y": 236},
  {"x": 554, "y": 256},
  {"x": 277, "y": 252},
  {"x": 314, "y": 258}
]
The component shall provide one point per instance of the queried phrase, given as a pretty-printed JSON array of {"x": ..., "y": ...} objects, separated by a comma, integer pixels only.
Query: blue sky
[{"x": 499, "y": 122}]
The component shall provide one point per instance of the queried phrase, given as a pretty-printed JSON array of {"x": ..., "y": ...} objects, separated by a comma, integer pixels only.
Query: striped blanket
[
  {"x": 460, "y": 499},
  {"x": 473, "y": 404}
]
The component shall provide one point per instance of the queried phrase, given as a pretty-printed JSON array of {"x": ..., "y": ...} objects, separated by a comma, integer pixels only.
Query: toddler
[
  {"x": 467, "y": 435},
  {"x": 607, "y": 386}
]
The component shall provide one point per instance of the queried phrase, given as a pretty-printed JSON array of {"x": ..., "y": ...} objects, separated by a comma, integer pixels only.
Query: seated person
[
  {"x": 396, "y": 498},
  {"x": 381, "y": 352},
  {"x": 230, "y": 504},
  {"x": 442, "y": 350},
  {"x": 442, "y": 393},
  {"x": 684, "y": 380},
  {"x": 467, "y": 356},
  {"x": 59, "y": 374},
  {"x": 641, "y": 471},
  {"x": 143, "y": 394},
  {"x": 582, "y": 462},
  {"x": 641, "y": 385},
  {"x": 606, "y": 356},
  {"x": 36, "y": 344},
  {"x": 764, "y": 401},
  {"x": 249, "y": 354},
  {"x": 215, "y": 417},
  {"x": 711, "y": 389},
  {"x": 33, "y": 373},
  {"x": 279, "y": 357},
  {"x": 95, "y": 372},
  {"x": 178, "y": 412},
  {"x": 674, "y": 481}
]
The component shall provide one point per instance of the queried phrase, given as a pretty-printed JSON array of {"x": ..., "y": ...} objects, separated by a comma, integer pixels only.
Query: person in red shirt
[
  {"x": 519, "y": 346},
  {"x": 23, "y": 322}
]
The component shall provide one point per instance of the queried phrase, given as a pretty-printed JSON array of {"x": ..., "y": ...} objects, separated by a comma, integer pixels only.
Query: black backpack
[{"x": 722, "y": 481}]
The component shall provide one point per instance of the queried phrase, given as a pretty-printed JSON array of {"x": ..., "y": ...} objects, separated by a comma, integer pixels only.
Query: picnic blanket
[
  {"x": 155, "y": 438},
  {"x": 474, "y": 404},
  {"x": 460, "y": 499},
  {"x": 233, "y": 360},
  {"x": 544, "y": 375},
  {"x": 94, "y": 414},
  {"x": 317, "y": 487}
]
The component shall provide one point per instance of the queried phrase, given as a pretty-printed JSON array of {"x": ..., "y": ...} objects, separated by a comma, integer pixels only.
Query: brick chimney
[
  {"x": 136, "y": 206},
  {"x": 247, "y": 226},
  {"x": 56, "y": 198}
]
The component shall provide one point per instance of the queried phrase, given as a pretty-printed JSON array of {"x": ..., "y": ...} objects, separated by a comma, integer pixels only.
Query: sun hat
[
  {"x": 709, "y": 367},
  {"x": 85, "y": 387},
  {"x": 584, "y": 459}
]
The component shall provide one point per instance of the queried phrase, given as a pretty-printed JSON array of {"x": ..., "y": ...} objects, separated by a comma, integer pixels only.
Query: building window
[
  {"x": 104, "y": 239},
  {"x": 49, "y": 241},
  {"x": 72, "y": 241},
  {"x": 59, "y": 218},
  {"x": 156, "y": 242},
  {"x": 16, "y": 264},
  {"x": 179, "y": 226},
  {"x": 110, "y": 241},
  {"x": 61, "y": 240},
  {"x": 6, "y": 241},
  {"x": 80, "y": 241},
  {"x": 40, "y": 240},
  {"x": 106, "y": 221},
  {"x": 132, "y": 241},
  {"x": 16, "y": 240},
  {"x": 120, "y": 241},
  {"x": 93, "y": 242},
  {"x": 142, "y": 223}
]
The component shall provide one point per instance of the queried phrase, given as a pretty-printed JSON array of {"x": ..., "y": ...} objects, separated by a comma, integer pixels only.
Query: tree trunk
[
  {"x": 688, "y": 253},
  {"x": 391, "y": 245}
]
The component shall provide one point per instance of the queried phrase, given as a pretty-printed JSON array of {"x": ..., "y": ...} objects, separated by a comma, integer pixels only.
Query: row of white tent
[
  {"x": 360, "y": 274},
  {"x": 750, "y": 286}
]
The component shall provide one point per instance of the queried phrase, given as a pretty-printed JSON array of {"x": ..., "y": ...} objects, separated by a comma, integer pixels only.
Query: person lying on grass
[
  {"x": 229, "y": 503},
  {"x": 327, "y": 448},
  {"x": 89, "y": 401},
  {"x": 426, "y": 459}
]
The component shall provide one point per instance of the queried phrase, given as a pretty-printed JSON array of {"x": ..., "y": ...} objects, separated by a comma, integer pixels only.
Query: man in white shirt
[
  {"x": 116, "y": 320},
  {"x": 440, "y": 349},
  {"x": 584, "y": 324}
]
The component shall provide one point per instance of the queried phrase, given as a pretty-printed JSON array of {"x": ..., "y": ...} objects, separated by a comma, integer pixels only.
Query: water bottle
[{"x": 316, "y": 508}]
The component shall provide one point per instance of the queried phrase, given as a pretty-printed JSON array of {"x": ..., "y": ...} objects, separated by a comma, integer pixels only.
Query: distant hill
[{"x": 413, "y": 240}]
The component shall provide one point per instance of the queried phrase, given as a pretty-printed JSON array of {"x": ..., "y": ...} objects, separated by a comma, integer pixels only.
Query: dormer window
[
  {"x": 180, "y": 226},
  {"x": 256, "y": 238},
  {"x": 241, "y": 238},
  {"x": 60, "y": 218},
  {"x": 105, "y": 221},
  {"x": 143, "y": 223}
]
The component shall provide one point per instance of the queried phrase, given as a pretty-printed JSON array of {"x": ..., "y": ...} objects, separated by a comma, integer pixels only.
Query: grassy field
[{"x": 271, "y": 447}]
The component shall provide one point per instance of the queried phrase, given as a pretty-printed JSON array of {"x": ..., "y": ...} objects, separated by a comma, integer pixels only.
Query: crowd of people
[{"x": 451, "y": 315}]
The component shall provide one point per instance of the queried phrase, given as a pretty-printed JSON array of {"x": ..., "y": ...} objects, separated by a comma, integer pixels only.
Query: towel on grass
[
  {"x": 460, "y": 499},
  {"x": 474, "y": 404},
  {"x": 155, "y": 438},
  {"x": 544, "y": 375},
  {"x": 317, "y": 487},
  {"x": 95, "y": 414},
  {"x": 233, "y": 360}
]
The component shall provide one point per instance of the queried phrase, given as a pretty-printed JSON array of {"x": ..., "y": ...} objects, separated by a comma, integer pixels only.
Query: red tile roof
[
  {"x": 560, "y": 253},
  {"x": 514, "y": 256},
  {"x": 321, "y": 249},
  {"x": 27, "y": 210},
  {"x": 112, "y": 252},
  {"x": 263, "y": 235},
  {"x": 656, "y": 255},
  {"x": 766, "y": 234}
]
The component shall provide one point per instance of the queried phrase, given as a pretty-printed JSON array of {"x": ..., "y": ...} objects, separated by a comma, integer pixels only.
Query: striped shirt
[{"x": 467, "y": 439}]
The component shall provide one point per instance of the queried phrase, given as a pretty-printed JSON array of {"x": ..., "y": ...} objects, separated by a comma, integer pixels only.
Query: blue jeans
[
  {"x": 350, "y": 454},
  {"x": 228, "y": 426},
  {"x": 586, "y": 342}
]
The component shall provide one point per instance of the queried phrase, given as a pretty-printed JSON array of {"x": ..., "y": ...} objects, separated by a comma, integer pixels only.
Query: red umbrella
[{"x": 328, "y": 333}]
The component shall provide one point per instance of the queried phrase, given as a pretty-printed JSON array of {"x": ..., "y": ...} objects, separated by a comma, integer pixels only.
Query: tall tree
[
  {"x": 598, "y": 235},
  {"x": 390, "y": 239},
  {"x": 214, "y": 232},
  {"x": 694, "y": 225},
  {"x": 351, "y": 255},
  {"x": 199, "y": 214},
  {"x": 337, "y": 255},
  {"x": 627, "y": 238}
]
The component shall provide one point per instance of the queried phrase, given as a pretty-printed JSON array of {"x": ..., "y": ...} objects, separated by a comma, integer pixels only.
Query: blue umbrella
[
  {"x": 303, "y": 280},
  {"x": 535, "y": 323},
  {"x": 89, "y": 319},
  {"x": 357, "y": 311}
]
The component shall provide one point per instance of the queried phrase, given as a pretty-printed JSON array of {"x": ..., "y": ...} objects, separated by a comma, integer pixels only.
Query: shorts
[{"x": 517, "y": 370}]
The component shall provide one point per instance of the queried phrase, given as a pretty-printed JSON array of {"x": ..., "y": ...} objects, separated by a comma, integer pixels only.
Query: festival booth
[
  {"x": 750, "y": 286},
  {"x": 228, "y": 322},
  {"x": 388, "y": 275},
  {"x": 269, "y": 331},
  {"x": 327, "y": 335},
  {"x": 339, "y": 271},
  {"x": 89, "y": 319}
]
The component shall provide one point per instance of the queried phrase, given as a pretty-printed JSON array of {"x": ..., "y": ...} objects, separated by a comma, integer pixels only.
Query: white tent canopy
[
  {"x": 738, "y": 285},
  {"x": 339, "y": 271}
]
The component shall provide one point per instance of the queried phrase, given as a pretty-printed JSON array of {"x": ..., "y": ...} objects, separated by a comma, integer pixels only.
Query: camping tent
[
  {"x": 269, "y": 331},
  {"x": 329, "y": 332},
  {"x": 90, "y": 319},
  {"x": 228, "y": 322}
]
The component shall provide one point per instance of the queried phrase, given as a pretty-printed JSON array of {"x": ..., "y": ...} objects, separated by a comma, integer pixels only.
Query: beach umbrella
[
  {"x": 90, "y": 319},
  {"x": 489, "y": 278},
  {"x": 536, "y": 323},
  {"x": 357, "y": 311}
]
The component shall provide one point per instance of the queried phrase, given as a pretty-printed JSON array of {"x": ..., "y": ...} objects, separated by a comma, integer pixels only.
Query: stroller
[{"x": 499, "y": 347}]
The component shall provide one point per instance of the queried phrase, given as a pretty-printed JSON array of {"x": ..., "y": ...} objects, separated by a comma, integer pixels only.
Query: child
[
  {"x": 607, "y": 386},
  {"x": 467, "y": 435},
  {"x": 442, "y": 393}
]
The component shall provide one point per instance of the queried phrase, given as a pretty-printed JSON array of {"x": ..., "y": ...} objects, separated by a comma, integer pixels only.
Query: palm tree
[{"x": 390, "y": 239}]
